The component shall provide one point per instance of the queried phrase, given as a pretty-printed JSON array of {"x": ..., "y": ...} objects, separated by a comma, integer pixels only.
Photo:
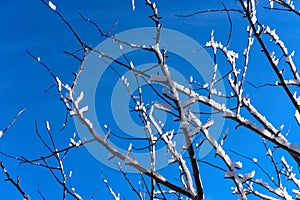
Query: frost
[
  {"x": 271, "y": 3},
  {"x": 238, "y": 165},
  {"x": 129, "y": 147},
  {"x": 139, "y": 106},
  {"x": 205, "y": 85},
  {"x": 38, "y": 59},
  {"x": 164, "y": 107},
  {"x": 184, "y": 125},
  {"x": 254, "y": 160},
  {"x": 79, "y": 99},
  {"x": 59, "y": 84},
  {"x": 170, "y": 134},
  {"x": 83, "y": 109},
  {"x": 157, "y": 78},
  {"x": 269, "y": 152},
  {"x": 133, "y": 5},
  {"x": 88, "y": 122},
  {"x": 131, "y": 65},
  {"x": 51, "y": 5},
  {"x": 73, "y": 112},
  {"x": 297, "y": 116},
  {"x": 189, "y": 102},
  {"x": 1, "y": 134},
  {"x": 47, "y": 126},
  {"x": 281, "y": 127},
  {"x": 229, "y": 174},
  {"x": 72, "y": 141},
  {"x": 77, "y": 196},
  {"x": 125, "y": 81},
  {"x": 248, "y": 176}
]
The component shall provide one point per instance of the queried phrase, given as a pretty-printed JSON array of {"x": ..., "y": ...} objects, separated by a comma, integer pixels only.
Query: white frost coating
[
  {"x": 276, "y": 38},
  {"x": 291, "y": 175},
  {"x": 38, "y": 59},
  {"x": 184, "y": 125},
  {"x": 51, "y": 5},
  {"x": 281, "y": 127},
  {"x": 170, "y": 134},
  {"x": 229, "y": 174},
  {"x": 59, "y": 84},
  {"x": 248, "y": 176},
  {"x": 1, "y": 134},
  {"x": 160, "y": 106},
  {"x": 78, "y": 196},
  {"x": 297, "y": 193},
  {"x": 129, "y": 147},
  {"x": 47, "y": 126},
  {"x": 238, "y": 165},
  {"x": 205, "y": 85},
  {"x": 79, "y": 99},
  {"x": 189, "y": 102},
  {"x": 289, "y": 60},
  {"x": 116, "y": 197},
  {"x": 271, "y": 3},
  {"x": 133, "y": 4},
  {"x": 254, "y": 160},
  {"x": 73, "y": 112},
  {"x": 83, "y": 109},
  {"x": 88, "y": 122},
  {"x": 124, "y": 80},
  {"x": 131, "y": 65},
  {"x": 72, "y": 141},
  {"x": 253, "y": 12},
  {"x": 231, "y": 55},
  {"x": 269, "y": 153},
  {"x": 297, "y": 116},
  {"x": 157, "y": 78},
  {"x": 191, "y": 79}
]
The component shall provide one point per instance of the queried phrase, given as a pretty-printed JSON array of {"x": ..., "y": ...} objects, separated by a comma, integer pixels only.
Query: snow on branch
[{"x": 51, "y": 5}]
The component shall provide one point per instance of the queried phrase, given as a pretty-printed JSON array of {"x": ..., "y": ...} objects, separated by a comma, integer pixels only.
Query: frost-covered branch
[{"x": 16, "y": 183}]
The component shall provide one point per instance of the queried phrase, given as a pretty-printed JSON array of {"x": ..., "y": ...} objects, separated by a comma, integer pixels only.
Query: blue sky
[{"x": 32, "y": 26}]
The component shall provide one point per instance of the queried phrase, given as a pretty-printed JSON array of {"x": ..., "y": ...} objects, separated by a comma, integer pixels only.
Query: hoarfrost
[
  {"x": 248, "y": 176},
  {"x": 238, "y": 165},
  {"x": 51, "y": 5},
  {"x": 229, "y": 174},
  {"x": 271, "y": 3},
  {"x": 297, "y": 116},
  {"x": 269, "y": 152},
  {"x": 79, "y": 99},
  {"x": 47, "y": 126},
  {"x": 133, "y": 5},
  {"x": 205, "y": 85}
]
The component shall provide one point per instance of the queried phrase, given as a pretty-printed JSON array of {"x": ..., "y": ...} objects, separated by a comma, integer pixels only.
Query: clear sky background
[{"x": 30, "y": 25}]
